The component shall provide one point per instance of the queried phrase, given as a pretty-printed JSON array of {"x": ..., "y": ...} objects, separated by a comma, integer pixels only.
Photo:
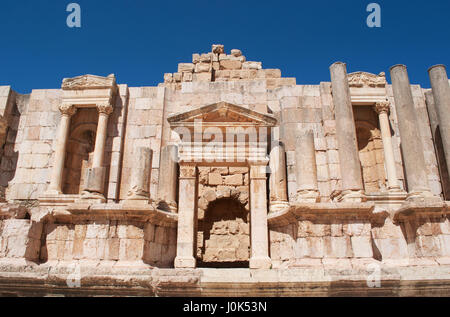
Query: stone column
[
  {"x": 55, "y": 187},
  {"x": 104, "y": 110},
  {"x": 441, "y": 92},
  {"x": 167, "y": 186},
  {"x": 187, "y": 217},
  {"x": 140, "y": 175},
  {"x": 95, "y": 177},
  {"x": 352, "y": 184},
  {"x": 382, "y": 108},
  {"x": 259, "y": 242},
  {"x": 412, "y": 148},
  {"x": 306, "y": 168},
  {"x": 278, "y": 182}
]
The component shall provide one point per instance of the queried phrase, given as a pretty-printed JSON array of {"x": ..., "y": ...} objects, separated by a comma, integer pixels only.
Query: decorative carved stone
[
  {"x": 105, "y": 108},
  {"x": 363, "y": 79},
  {"x": 382, "y": 107},
  {"x": 187, "y": 171},
  {"x": 88, "y": 82},
  {"x": 218, "y": 49},
  {"x": 67, "y": 109}
]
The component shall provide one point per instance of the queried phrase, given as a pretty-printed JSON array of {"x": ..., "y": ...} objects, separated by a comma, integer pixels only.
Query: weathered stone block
[{"x": 234, "y": 180}]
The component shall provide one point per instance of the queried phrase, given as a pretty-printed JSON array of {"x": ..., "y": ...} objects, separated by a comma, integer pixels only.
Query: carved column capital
[
  {"x": 382, "y": 107},
  {"x": 67, "y": 109},
  {"x": 188, "y": 171},
  {"x": 104, "y": 108}
]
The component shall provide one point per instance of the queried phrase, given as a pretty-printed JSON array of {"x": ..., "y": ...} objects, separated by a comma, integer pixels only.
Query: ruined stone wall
[
  {"x": 223, "y": 215},
  {"x": 113, "y": 240},
  {"x": 20, "y": 239},
  {"x": 139, "y": 120},
  {"x": 316, "y": 238},
  {"x": 143, "y": 129}
]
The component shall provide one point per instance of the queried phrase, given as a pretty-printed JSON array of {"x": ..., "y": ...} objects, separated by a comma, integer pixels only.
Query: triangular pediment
[
  {"x": 88, "y": 82},
  {"x": 222, "y": 114}
]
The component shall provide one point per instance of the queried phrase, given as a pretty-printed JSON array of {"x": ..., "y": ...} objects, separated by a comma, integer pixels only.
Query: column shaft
[
  {"x": 100, "y": 140},
  {"x": 345, "y": 130},
  {"x": 167, "y": 186},
  {"x": 306, "y": 168},
  {"x": 441, "y": 92},
  {"x": 140, "y": 175},
  {"x": 278, "y": 182},
  {"x": 187, "y": 217},
  {"x": 382, "y": 109},
  {"x": 412, "y": 148},
  {"x": 258, "y": 218},
  {"x": 56, "y": 178}
]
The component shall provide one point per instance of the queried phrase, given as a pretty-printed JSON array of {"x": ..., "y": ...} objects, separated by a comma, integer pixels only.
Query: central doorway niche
[
  {"x": 224, "y": 234},
  {"x": 80, "y": 148}
]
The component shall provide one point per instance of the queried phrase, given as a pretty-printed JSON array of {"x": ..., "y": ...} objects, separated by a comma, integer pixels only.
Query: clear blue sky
[{"x": 141, "y": 40}]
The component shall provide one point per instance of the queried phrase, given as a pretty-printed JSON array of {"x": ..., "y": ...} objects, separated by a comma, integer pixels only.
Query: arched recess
[
  {"x": 225, "y": 235},
  {"x": 371, "y": 155},
  {"x": 80, "y": 148}
]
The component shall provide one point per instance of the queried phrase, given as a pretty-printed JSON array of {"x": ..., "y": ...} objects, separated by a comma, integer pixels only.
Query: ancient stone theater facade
[{"x": 227, "y": 179}]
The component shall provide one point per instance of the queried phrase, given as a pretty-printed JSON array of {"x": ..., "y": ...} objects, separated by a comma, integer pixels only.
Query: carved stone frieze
[{"x": 363, "y": 79}]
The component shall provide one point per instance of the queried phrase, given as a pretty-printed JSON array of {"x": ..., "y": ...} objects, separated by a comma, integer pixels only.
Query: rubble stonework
[{"x": 226, "y": 165}]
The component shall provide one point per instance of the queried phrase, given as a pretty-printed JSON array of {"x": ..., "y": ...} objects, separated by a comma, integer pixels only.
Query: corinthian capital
[
  {"x": 67, "y": 109},
  {"x": 105, "y": 108},
  {"x": 382, "y": 107}
]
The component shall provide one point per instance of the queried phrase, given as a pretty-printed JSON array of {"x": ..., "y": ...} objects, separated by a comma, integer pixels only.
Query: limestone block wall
[
  {"x": 319, "y": 238},
  {"x": 35, "y": 145},
  {"x": 115, "y": 139},
  {"x": 113, "y": 240},
  {"x": 302, "y": 108},
  {"x": 143, "y": 129},
  {"x": 20, "y": 239},
  {"x": 428, "y": 236},
  {"x": 13, "y": 106}
]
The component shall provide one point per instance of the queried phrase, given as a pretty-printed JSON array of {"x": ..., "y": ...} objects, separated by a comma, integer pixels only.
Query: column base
[
  {"x": 137, "y": 202},
  {"x": 422, "y": 196},
  {"x": 167, "y": 206},
  {"x": 396, "y": 190},
  {"x": 137, "y": 197},
  {"x": 351, "y": 196},
  {"x": 52, "y": 193},
  {"x": 263, "y": 262},
  {"x": 92, "y": 196},
  {"x": 308, "y": 196},
  {"x": 276, "y": 206},
  {"x": 185, "y": 262}
]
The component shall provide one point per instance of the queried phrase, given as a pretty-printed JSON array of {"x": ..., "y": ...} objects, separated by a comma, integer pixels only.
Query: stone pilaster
[
  {"x": 187, "y": 217},
  {"x": 278, "y": 181},
  {"x": 412, "y": 148},
  {"x": 140, "y": 175},
  {"x": 352, "y": 184},
  {"x": 306, "y": 168},
  {"x": 55, "y": 187},
  {"x": 259, "y": 238},
  {"x": 382, "y": 108},
  {"x": 441, "y": 92},
  {"x": 167, "y": 186}
]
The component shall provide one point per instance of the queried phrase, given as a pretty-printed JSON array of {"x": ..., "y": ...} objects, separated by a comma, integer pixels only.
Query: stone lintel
[
  {"x": 129, "y": 210},
  {"x": 413, "y": 209}
]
